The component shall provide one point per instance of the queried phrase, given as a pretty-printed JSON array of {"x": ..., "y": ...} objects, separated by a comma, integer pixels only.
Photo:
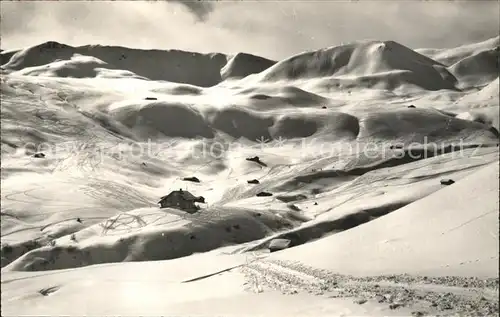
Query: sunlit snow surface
[{"x": 355, "y": 176}]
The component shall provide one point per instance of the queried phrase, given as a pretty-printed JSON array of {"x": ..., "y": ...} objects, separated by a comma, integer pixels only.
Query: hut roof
[{"x": 182, "y": 193}]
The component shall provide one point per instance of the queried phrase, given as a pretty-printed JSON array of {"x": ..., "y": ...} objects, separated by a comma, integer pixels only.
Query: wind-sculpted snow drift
[
  {"x": 346, "y": 137},
  {"x": 370, "y": 61}
]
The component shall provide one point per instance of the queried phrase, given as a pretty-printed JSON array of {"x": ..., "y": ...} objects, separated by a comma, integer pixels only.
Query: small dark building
[
  {"x": 279, "y": 244},
  {"x": 397, "y": 146},
  {"x": 181, "y": 199},
  {"x": 151, "y": 98},
  {"x": 447, "y": 181},
  {"x": 263, "y": 194},
  {"x": 411, "y": 106},
  {"x": 253, "y": 181},
  {"x": 193, "y": 179},
  {"x": 256, "y": 159},
  {"x": 253, "y": 159}
]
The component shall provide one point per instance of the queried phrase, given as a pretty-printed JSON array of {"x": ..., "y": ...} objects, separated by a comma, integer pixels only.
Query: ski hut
[{"x": 181, "y": 199}]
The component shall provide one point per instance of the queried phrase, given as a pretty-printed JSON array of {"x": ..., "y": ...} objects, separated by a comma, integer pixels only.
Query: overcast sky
[{"x": 274, "y": 29}]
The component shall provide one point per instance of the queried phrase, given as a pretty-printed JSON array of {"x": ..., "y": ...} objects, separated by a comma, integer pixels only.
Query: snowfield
[{"x": 376, "y": 162}]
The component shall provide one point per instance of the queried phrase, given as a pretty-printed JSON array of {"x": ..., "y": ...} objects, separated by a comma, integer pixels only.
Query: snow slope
[
  {"x": 351, "y": 174},
  {"x": 442, "y": 234},
  {"x": 242, "y": 65},
  {"x": 453, "y": 55},
  {"x": 374, "y": 63},
  {"x": 478, "y": 69}
]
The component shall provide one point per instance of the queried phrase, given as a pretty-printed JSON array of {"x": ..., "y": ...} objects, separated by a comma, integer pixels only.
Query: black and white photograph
[{"x": 250, "y": 158}]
